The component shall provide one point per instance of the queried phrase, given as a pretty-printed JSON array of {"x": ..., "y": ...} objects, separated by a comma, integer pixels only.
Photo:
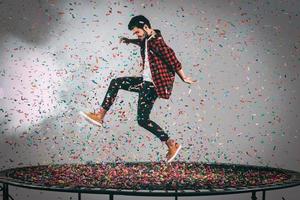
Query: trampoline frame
[{"x": 292, "y": 182}]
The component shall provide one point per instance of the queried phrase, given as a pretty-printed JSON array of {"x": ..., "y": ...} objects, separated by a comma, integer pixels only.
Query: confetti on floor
[{"x": 148, "y": 175}]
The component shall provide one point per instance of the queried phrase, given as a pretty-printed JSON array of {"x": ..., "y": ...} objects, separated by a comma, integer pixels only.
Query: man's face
[{"x": 139, "y": 32}]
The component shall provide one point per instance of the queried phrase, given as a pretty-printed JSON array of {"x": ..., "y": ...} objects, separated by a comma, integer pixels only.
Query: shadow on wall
[
  {"x": 29, "y": 146},
  {"x": 56, "y": 139},
  {"x": 29, "y": 20}
]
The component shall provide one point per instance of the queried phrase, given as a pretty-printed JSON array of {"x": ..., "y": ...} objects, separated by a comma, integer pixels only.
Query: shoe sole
[
  {"x": 90, "y": 119},
  {"x": 174, "y": 154}
]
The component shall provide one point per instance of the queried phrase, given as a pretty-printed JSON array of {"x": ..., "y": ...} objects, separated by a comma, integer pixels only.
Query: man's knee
[
  {"x": 113, "y": 81},
  {"x": 142, "y": 121}
]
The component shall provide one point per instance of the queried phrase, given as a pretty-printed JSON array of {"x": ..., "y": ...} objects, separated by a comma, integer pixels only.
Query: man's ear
[{"x": 145, "y": 27}]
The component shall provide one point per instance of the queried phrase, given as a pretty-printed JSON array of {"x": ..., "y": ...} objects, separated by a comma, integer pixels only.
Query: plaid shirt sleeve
[{"x": 167, "y": 54}]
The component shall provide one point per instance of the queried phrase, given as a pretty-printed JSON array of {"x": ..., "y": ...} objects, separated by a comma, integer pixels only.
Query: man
[{"x": 159, "y": 67}]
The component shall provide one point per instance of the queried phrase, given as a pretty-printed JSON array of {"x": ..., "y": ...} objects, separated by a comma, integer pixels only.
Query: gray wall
[{"x": 58, "y": 57}]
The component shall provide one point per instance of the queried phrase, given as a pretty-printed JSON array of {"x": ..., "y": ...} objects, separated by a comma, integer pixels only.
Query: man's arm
[
  {"x": 184, "y": 78},
  {"x": 128, "y": 41},
  {"x": 135, "y": 41},
  {"x": 168, "y": 55}
]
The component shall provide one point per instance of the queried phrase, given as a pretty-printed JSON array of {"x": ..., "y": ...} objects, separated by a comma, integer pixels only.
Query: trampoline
[{"x": 150, "y": 179}]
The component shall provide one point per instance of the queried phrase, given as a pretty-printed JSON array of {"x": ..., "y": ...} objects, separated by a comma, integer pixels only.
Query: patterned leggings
[{"x": 147, "y": 97}]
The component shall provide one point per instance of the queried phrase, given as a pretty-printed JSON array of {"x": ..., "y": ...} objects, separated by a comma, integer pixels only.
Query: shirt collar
[{"x": 151, "y": 36}]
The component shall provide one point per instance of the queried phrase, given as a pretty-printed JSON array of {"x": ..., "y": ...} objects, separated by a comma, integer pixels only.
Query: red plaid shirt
[{"x": 163, "y": 64}]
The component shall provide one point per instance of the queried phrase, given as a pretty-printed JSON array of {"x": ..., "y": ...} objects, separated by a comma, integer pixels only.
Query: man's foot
[
  {"x": 93, "y": 118},
  {"x": 173, "y": 149}
]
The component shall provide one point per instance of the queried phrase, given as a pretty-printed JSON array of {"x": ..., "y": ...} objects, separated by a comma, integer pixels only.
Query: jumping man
[{"x": 159, "y": 68}]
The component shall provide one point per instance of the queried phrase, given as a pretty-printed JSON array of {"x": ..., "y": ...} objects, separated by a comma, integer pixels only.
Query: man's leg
[
  {"x": 147, "y": 97},
  {"x": 125, "y": 83}
]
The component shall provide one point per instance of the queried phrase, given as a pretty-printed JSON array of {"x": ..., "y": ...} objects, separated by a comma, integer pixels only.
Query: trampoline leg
[
  {"x": 111, "y": 197},
  {"x": 79, "y": 196},
  {"x": 264, "y": 195},
  {"x": 253, "y": 197},
  {"x": 5, "y": 192}
]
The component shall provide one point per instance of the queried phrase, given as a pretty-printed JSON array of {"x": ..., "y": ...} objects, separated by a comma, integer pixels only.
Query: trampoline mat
[{"x": 148, "y": 175}]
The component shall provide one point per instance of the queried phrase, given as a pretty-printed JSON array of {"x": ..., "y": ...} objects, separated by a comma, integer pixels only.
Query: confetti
[{"x": 154, "y": 175}]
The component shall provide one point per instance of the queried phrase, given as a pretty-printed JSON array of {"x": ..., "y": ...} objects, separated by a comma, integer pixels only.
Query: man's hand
[
  {"x": 124, "y": 40},
  {"x": 188, "y": 80},
  {"x": 184, "y": 78}
]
